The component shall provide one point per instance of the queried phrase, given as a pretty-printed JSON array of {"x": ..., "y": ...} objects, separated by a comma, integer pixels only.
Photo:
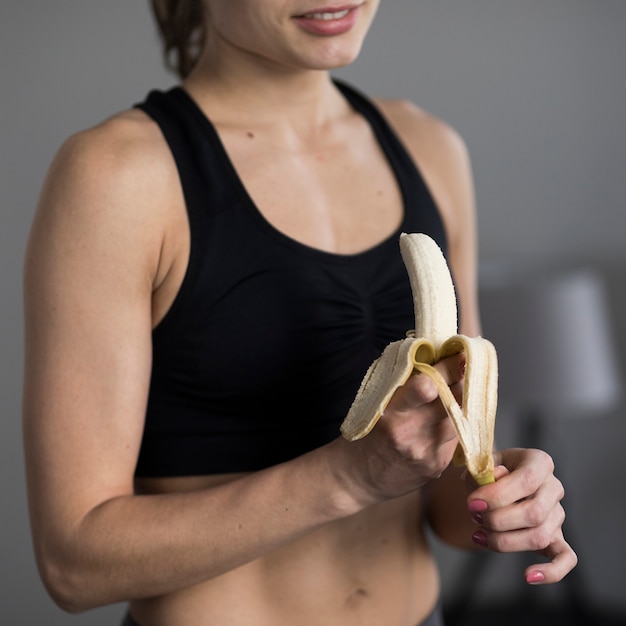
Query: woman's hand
[
  {"x": 411, "y": 444},
  {"x": 522, "y": 511}
]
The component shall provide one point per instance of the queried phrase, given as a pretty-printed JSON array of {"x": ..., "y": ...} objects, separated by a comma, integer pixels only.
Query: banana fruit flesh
[{"x": 435, "y": 337}]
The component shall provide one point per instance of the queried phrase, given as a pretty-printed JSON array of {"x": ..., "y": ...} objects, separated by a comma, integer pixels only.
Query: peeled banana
[{"x": 435, "y": 337}]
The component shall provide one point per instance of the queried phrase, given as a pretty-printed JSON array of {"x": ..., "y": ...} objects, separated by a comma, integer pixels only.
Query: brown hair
[{"x": 182, "y": 30}]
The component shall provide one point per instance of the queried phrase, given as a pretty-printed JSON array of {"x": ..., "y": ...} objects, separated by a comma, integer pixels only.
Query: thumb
[{"x": 500, "y": 471}]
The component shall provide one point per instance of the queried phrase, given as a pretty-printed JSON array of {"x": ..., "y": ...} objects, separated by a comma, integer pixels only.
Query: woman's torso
[{"x": 371, "y": 568}]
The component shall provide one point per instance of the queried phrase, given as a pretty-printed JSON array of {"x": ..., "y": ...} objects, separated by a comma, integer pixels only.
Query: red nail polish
[
  {"x": 477, "y": 506},
  {"x": 534, "y": 578},
  {"x": 478, "y": 518},
  {"x": 480, "y": 538}
]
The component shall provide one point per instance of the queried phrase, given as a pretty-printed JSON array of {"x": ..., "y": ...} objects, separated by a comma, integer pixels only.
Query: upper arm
[
  {"x": 442, "y": 157},
  {"x": 90, "y": 265}
]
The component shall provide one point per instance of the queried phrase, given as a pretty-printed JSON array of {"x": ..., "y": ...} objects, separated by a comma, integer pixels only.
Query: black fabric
[
  {"x": 436, "y": 616},
  {"x": 264, "y": 348},
  {"x": 129, "y": 621}
]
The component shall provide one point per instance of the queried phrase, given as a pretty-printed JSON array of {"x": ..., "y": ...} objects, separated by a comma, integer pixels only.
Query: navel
[{"x": 357, "y": 596}]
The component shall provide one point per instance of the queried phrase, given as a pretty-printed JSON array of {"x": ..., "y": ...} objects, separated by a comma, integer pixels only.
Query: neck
[{"x": 257, "y": 93}]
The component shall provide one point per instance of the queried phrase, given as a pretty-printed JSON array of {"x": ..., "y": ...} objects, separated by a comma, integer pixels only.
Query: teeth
[
  {"x": 434, "y": 338},
  {"x": 327, "y": 16}
]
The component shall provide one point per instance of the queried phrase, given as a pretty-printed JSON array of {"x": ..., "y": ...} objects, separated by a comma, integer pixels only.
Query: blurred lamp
[{"x": 555, "y": 347}]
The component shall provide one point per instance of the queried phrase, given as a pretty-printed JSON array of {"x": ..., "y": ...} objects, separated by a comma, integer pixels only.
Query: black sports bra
[{"x": 265, "y": 345}]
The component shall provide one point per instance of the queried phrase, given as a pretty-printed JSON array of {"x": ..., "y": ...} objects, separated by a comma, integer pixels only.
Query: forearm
[
  {"x": 140, "y": 546},
  {"x": 447, "y": 511}
]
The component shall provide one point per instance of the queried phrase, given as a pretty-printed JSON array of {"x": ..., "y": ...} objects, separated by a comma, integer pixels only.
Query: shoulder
[
  {"x": 125, "y": 150},
  {"x": 119, "y": 170},
  {"x": 441, "y": 155},
  {"x": 112, "y": 187},
  {"x": 429, "y": 139}
]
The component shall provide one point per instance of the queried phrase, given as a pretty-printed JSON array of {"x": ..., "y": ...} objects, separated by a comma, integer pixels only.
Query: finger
[
  {"x": 499, "y": 471},
  {"x": 420, "y": 389},
  {"x": 528, "y": 470},
  {"x": 452, "y": 368},
  {"x": 416, "y": 392},
  {"x": 531, "y": 512},
  {"x": 563, "y": 560},
  {"x": 418, "y": 428},
  {"x": 533, "y": 539}
]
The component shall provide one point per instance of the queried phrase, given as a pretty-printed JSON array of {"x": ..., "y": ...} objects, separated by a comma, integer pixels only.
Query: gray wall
[{"x": 538, "y": 90}]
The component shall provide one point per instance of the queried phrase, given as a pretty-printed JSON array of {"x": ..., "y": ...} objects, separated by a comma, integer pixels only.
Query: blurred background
[{"x": 538, "y": 91}]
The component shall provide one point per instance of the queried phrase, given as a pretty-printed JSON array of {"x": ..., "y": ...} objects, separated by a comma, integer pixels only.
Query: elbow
[
  {"x": 62, "y": 587},
  {"x": 66, "y": 584},
  {"x": 73, "y": 567}
]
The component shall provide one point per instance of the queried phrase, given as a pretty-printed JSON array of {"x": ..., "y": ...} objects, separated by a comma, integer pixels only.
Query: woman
[{"x": 208, "y": 277}]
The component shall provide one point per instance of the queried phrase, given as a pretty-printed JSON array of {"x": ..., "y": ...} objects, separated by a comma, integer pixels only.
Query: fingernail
[
  {"x": 477, "y": 506},
  {"x": 480, "y": 538},
  {"x": 478, "y": 518},
  {"x": 535, "y": 577}
]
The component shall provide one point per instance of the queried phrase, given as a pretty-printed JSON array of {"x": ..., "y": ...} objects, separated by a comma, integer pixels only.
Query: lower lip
[{"x": 328, "y": 28}]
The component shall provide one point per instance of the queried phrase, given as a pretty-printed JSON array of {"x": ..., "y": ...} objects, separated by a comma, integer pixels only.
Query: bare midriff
[{"x": 371, "y": 568}]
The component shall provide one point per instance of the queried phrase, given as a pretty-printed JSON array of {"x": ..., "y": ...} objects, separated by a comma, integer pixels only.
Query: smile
[
  {"x": 327, "y": 16},
  {"x": 330, "y": 21}
]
